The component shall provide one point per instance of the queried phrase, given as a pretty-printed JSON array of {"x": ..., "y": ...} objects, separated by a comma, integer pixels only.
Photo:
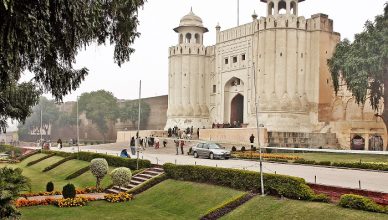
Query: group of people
[
  {"x": 175, "y": 131},
  {"x": 236, "y": 124}
]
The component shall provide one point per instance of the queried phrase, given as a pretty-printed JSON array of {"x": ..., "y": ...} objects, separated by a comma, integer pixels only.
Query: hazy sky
[{"x": 150, "y": 61}]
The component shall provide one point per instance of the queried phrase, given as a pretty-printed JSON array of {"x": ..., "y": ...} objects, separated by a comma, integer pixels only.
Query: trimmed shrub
[
  {"x": 242, "y": 149},
  {"x": 52, "y": 166},
  {"x": 359, "y": 202},
  {"x": 68, "y": 191},
  {"x": 368, "y": 166},
  {"x": 282, "y": 185},
  {"x": 303, "y": 161},
  {"x": 320, "y": 198},
  {"x": 276, "y": 160},
  {"x": 39, "y": 160},
  {"x": 25, "y": 156},
  {"x": 78, "y": 173},
  {"x": 50, "y": 187},
  {"x": 323, "y": 163},
  {"x": 99, "y": 168},
  {"x": 115, "y": 161},
  {"x": 234, "y": 149},
  {"x": 121, "y": 176}
]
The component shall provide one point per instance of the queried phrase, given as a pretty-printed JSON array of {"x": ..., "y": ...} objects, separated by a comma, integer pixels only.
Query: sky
[{"x": 149, "y": 63}]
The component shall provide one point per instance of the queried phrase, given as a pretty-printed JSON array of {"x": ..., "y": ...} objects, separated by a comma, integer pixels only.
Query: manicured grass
[
  {"x": 335, "y": 157},
  {"x": 168, "y": 200},
  {"x": 57, "y": 175},
  {"x": 273, "y": 208}
]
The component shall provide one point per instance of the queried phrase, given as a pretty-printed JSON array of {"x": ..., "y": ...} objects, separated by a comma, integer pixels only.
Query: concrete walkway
[{"x": 370, "y": 180}]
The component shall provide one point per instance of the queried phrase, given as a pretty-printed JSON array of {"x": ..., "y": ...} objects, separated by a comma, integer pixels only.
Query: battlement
[
  {"x": 235, "y": 33},
  {"x": 190, "y": 49}
]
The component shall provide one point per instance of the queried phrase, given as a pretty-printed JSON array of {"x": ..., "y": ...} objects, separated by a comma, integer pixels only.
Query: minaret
[
  {"x": 187, "y": 63},
  {"x": 274, "y": 7}
]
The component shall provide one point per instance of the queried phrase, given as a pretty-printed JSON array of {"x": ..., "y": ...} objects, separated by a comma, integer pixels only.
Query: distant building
[{"x": 281, "y": 59}]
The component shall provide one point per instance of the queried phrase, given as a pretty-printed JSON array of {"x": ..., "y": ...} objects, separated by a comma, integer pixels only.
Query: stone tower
[{"x": 187, "y": 75}]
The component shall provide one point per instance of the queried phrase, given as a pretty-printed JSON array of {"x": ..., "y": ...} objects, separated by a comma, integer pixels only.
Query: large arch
[{"x": 234, "y": 102}]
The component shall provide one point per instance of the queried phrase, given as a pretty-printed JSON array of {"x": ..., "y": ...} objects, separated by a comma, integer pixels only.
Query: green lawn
[
  {"x": 273, "y": 208},
  {"x": 168, "y": 200},
  {"x": 56, "y": 175},
  {"x": 335, "y": 157}
]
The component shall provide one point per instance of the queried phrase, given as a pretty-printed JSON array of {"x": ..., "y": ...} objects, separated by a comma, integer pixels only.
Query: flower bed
[
  {"x": 73, "y": 202},
  {"x": 256, "y": 155},
  {"x": 121, "y": 197},
  {"x": 86, "y": 190}
]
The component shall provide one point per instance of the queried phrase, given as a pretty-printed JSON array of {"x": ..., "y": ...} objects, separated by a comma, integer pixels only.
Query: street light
[
  {"x": 138, "y": 128},
  {"x": 77, "y": 125}
]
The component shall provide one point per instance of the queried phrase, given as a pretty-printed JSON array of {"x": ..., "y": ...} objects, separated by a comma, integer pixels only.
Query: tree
[
  {"x": 363, "y": 64},
  {"x": 49, "y": 112},
  {"x": 100, "y": 107},
  {"x": 44, "y": 37},
  {"x": 99, "y": 168},
  {"x": 130, "y": 111},
  {"x": 11, "y": 183}
]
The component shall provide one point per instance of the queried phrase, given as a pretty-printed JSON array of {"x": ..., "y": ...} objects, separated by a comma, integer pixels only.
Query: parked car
[{"x": 210, "y": 150}]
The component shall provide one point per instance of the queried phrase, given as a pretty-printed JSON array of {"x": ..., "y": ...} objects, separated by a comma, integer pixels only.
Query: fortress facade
[{"x": 279, "y": 60}]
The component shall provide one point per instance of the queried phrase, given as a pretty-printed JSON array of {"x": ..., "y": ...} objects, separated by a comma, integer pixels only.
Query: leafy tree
[
  {"x": 100, "y": 107},
  {"x": 121, "y": 176},
  {"x": 130, "y": 111},
  {"x": 11, "y": 183},
  {"x": 99, "y": 168},
  {"x": 363, "y": 64},
  {"x": 44, "y": 37}
]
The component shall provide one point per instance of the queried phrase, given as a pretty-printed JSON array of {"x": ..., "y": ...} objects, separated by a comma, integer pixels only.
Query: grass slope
[
  {"x": 273, "y": 208},
  {"x": 168, "y": 200},
  {"x": 56, "y": 175}
]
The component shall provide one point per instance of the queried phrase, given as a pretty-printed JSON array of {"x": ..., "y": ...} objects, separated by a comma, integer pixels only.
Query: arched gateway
[{"x": 237, "y": 109}]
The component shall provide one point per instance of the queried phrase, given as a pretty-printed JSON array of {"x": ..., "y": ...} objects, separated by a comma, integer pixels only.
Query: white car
[{"x": 210, "y": 150}]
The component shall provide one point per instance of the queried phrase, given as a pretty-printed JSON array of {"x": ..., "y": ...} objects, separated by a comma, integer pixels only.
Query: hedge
[
  {"x": 78, "y": 173},
  {"x": 282, "y": 185},
  {"x": 52, "y": 166},
  {"x": 148, "y": 184},
  {"x": 368, "y": 166},
  {"x": 361, "y": 203},
  {"x": 228, "y": 206},
  {"x": 40, "y": 159},
  {"x": 112, "y": 160},
  {"x": 25, "y": 156}
]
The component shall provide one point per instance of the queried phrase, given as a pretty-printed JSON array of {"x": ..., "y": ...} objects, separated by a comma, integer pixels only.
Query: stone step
[
  {"x": 139, "y": 178},
  {"x": 113, "y": 191},
  {"x": 144, "y": 175},
  {"x": 124, "y": 189},
  {"x": 157, "y": 169},
  {"x": 153, "y": 173},
  {"x": 135, "y": 182},
  {"x": 130, "y": 186}
]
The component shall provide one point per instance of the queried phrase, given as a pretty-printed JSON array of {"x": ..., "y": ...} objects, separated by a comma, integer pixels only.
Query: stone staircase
[{"x": 138, "y": 179}]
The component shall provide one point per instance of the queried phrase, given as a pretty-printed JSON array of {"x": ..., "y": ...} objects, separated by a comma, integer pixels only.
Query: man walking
[
  {"x": 176, "y": 141},
  {"x": 252, "y": 140}
]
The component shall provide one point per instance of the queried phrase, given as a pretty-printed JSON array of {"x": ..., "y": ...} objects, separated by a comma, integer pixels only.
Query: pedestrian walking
[
  {"x": 132, "y": 144},
  {"x": 182, "y": 144},
  {"x": 252, "y": 140},
  {"x": 59, "y": 142},
  {"x": 198, "y": 133},
  {"x": 176, "y": 141},
  {"x": 164, "y": 143}
]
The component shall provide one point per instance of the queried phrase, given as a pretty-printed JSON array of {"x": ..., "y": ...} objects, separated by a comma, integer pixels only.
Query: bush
[
  {"x": 242, "y": 149},
  {"x": 234, "y": 149},
  {"x": 99, "y": 168},
  {"x": 50, "y": 187},
  {"x": 52, "y": 166},
  {"x": 290, "y": 187},
  {"x": 39, "y": 160},
  {"x": 115, "y": 161},
  {"x": 68, "y": 191},
  {"x": 121, "y": 197},
  {"x": 277, "y": 160},
  {"x": 226, "y": 207},
  {"x": 369, "y": 166},
  {"x": 25, "y": 156},
  {"x": 359, "y": 202},
  {"x": 73, "y": 202},
  {"x": 323, "y": 163},
  {"x": 121, "y": 176},
  {"x": 320, "y": 198},
  {"x": 303, "y": 161},
  {"x": 78, "y": 173}
]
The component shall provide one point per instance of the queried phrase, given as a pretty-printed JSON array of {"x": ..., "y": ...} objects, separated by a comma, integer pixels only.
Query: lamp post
[
  {"x": 258, "y": 133},
  {"x": 77, "y": 125},
  {"x": 40, "y": 129},
  {"x": 138, "y": 128}
]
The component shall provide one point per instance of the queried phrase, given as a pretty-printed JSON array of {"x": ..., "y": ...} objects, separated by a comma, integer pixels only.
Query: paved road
[{"x": 375, "y": 181}]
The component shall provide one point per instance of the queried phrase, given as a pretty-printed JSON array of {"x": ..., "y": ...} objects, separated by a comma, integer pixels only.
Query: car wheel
[
  {"x": 211, "y": 156},
  {"x": 226, "y": 158},
  {"x": 195, "y": 154}
]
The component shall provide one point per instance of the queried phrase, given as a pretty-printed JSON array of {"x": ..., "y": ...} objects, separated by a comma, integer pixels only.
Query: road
[{"x": 370, "y": 180}]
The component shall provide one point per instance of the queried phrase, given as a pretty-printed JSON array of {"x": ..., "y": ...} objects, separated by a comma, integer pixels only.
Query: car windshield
[{"x": 214, "y": 146}]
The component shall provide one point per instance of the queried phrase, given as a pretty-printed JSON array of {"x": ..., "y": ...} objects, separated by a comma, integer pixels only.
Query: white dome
[{"x": 191, "y": 20}]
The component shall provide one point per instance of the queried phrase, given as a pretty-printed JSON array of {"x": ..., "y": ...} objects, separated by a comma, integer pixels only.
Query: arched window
[
  {"x": 197, "y": 39},
  {"x": 271, "y": 8},
  {"x": 188, "y": 38},
  {"x": 282, "y": 7},
  {"x": 293, "y": 8},
  {"x": 181, "y": 38}
]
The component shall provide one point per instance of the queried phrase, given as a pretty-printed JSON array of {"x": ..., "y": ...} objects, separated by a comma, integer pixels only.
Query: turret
[{"x": 280, "y": 7}]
